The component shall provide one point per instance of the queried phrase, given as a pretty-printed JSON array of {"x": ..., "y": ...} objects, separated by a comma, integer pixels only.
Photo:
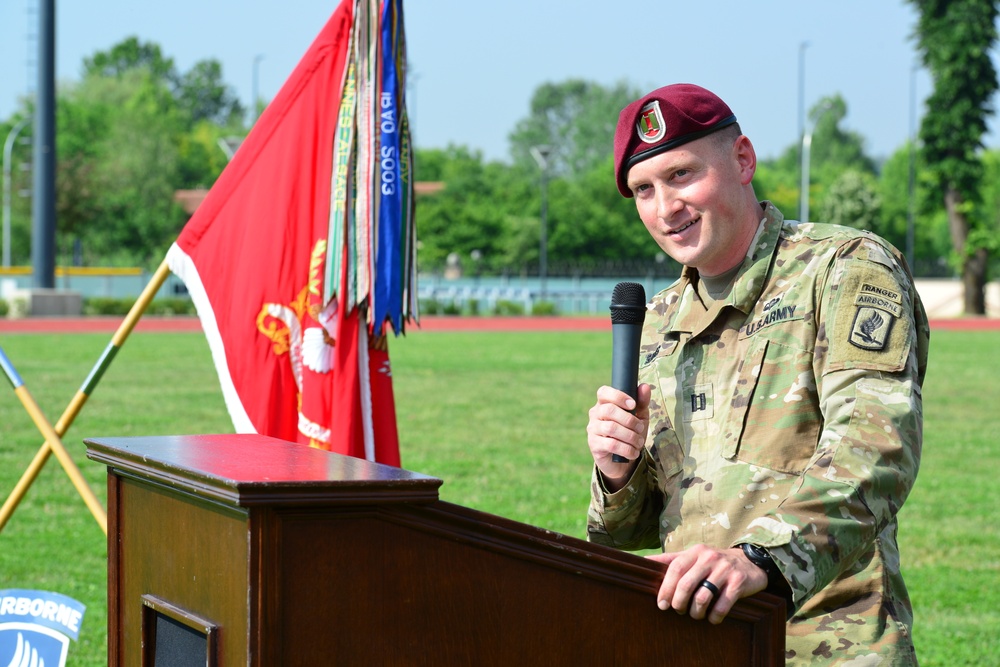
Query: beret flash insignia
[{"x": 650, "y": 124}]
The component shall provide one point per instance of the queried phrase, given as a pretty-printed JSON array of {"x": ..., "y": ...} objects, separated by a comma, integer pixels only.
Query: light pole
[
  {"x": 806, "y": 145},
  {"x": 802, "y": 110},
  {"x": 43, "y": 192},
  {"x": 254, "y": 96},
  {"x": 804, "y": 185},
  {"x": 8, "y": 148},
  {"x": 541, "y": 155},
  {"x": 802, "y": 88}
]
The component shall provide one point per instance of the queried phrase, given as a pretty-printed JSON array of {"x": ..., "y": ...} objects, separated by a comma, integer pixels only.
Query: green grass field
[{"x": 501, "y": 419}]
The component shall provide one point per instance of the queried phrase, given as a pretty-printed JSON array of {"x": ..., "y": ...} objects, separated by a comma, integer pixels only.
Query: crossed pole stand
[{"x": 53, "y": 442}]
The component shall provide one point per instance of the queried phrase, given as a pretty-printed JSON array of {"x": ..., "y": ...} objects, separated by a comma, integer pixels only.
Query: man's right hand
[{"x": 618, "y": 426}]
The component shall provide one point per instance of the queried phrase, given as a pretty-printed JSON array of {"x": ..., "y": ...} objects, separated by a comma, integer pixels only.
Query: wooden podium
[{"x": 245, "y": 550}]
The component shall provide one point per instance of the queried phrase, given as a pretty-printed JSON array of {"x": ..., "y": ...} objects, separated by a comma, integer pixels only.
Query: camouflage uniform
[{"x": 788, "y": 415}]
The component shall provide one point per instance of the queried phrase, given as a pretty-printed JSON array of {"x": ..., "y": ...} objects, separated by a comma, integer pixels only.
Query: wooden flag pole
[
  {"x": 54, "y": 444},
  {"x": 78, "y": 401}
]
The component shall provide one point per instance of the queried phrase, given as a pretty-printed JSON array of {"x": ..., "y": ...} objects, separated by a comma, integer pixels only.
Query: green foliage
[
  {"x": 576, "y": 119},
  {"x": 472, "y": 211},
  {"x": 128, "y": 55},
  {"x": 932, "y": 244},
  {"x": 543, "y": 308},
  {"x": 955, "y": 38},
  {"x": 504, "y": 307},
  {"x": 833, "y": 149},
  {"x": 199, "y": 159},
  {"x": 115, "y": 306},
  {"x": 430, "y": 307},
  {"x": 130, "y": 133},
  {"x": 590, "y": 219},
  {"x": 853, "y": 201},
  {"x": 495, "y": 209},
  {"x": 990, "y": 209},
  {"x": 203, "y": 96},
  {"x": 778, "y": 182}
]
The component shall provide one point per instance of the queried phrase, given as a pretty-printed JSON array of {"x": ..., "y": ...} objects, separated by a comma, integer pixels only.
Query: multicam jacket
[{"x": 788, "y": 415}]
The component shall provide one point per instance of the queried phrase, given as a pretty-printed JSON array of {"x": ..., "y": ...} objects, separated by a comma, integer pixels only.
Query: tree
[
  {"x": 955, "y": 38},
  {"x": 833, "y": 151},
  {"x": 576, "y": 119},
  {"x": 203, "y": 95},
  {"x": 990, "y": 209},
  {"x": 201, "y": 92},
  {"x": 778, "y": 182},
  {"x": 931, "y": 245},
  {"x": 131, "y": 133},
  {"x": 473, "y": 211},
  {"x": 591, "y": 223},
  {"x": 118, "y": 148},
  {"x": 131, "y": 54},
  {"x": 852, "y": 200},
  {"x": 20, "y": 183}
]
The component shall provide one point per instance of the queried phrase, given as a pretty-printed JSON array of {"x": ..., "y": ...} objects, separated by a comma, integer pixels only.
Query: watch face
[{"x": 758, "y": 555}]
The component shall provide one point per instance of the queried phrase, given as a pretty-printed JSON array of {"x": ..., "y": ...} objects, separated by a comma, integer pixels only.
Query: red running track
[{"x": 429, "y": 323}]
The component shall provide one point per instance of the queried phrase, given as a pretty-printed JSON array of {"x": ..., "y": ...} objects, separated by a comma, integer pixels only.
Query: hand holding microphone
[{"x": 628, "y": 310}]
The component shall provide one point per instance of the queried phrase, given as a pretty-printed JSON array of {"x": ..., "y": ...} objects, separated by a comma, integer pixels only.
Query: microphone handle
[{"x": 625, "y": 363}]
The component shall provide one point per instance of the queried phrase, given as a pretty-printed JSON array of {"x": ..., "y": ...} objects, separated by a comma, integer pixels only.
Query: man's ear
[{"x": 746, "y": 156}]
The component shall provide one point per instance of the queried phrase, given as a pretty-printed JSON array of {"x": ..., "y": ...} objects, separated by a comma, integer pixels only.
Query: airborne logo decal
[{"x": 871, "y": 328}]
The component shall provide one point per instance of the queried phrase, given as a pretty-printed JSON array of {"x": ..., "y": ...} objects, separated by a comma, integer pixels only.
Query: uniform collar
[{"x": 692, "y": 316}]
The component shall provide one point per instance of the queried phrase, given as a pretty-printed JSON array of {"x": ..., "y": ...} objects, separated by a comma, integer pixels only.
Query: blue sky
[{"x": 477, "y": 62}]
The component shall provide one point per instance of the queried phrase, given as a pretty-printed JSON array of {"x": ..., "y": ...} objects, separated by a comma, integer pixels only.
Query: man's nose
[{"x": 667, "y": 203}]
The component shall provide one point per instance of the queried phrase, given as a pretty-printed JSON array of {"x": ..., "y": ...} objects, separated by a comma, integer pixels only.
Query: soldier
[{"x": 777, "y": 427}]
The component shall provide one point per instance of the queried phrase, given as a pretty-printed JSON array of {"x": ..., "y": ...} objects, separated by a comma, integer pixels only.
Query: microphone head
[{"x": 628, "y": 303}]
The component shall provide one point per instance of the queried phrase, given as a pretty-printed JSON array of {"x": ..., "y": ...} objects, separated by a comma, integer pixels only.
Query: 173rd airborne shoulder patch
[{"x": 870, "y": 316}]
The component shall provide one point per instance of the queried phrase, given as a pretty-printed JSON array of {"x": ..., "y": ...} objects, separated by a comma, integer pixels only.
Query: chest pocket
[
  {"x": 774, "y": 419},
  {"x": 662, "y": 440}
]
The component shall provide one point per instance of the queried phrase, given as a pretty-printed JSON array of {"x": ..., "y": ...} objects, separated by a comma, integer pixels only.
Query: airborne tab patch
[{"x": 881, "y": 298}]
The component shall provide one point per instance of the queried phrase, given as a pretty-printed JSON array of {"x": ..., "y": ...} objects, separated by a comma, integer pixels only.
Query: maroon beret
[{"x": 664, "y": 119}]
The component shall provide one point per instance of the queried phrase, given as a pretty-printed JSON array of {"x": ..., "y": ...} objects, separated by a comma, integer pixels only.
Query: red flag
[{"x": 254, "y": 257}]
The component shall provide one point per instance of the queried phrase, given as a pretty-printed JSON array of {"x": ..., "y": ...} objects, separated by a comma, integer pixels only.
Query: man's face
[{"x": 693, "y": 200}]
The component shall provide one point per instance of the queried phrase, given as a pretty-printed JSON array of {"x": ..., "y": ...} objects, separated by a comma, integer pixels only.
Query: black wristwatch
[
  {"x": 776, "y": 583},
  {"x": 759, "y": 557}
]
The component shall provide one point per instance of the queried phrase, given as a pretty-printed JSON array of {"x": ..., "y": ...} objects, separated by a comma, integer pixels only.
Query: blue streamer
[{"x": 388, "y": 262}]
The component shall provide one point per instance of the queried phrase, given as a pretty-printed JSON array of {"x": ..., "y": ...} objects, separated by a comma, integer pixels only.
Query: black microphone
[{"x": 628, "y": 310}]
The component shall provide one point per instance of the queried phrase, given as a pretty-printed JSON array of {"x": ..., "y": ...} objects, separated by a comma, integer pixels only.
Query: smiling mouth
[{"x": 681, "y": 229}]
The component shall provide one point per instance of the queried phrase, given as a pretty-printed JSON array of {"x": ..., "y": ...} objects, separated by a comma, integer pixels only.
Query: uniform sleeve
[
  {"x": 628, "y": 518},
  {"x": 869, "y": 363}
]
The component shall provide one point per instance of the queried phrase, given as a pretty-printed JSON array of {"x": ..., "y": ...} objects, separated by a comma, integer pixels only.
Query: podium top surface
[{"x": 250, "y": 469}]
